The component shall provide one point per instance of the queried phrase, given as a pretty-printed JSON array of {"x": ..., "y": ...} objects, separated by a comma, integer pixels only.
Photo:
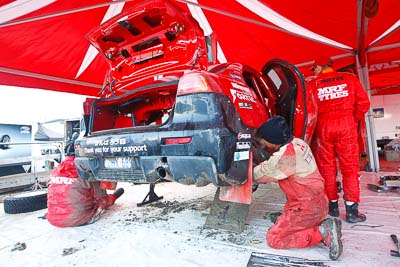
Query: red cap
[{"x": 322, "y": 61}]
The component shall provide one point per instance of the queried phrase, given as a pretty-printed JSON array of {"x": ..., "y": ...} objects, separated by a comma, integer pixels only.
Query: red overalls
[
  {"x": 341, "y": 102},
  {"x": 307, "y": 205},
  {"x": 72, "y": 201}
]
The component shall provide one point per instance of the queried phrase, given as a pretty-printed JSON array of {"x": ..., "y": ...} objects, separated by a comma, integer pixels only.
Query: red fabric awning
[{"x": 44, "y": 46}]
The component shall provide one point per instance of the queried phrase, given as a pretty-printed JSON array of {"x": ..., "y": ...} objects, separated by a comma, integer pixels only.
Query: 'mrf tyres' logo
[{"x": 332, "y": 92}]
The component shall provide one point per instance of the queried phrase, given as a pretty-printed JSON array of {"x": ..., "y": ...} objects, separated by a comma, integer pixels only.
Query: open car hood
[{"x": 151, "y": 37}]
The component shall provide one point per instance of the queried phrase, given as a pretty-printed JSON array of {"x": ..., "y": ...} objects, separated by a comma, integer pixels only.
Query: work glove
[{"x": 259, "y": 154}]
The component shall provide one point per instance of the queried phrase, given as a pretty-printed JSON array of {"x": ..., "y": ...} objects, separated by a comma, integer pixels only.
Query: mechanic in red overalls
[
  {"x": 73, "y": 201},
  {"x": 293, "y": 166},
  {"x": 342, "y": 103}
]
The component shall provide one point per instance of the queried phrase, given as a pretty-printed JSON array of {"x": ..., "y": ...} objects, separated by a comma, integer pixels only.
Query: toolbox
[
  {"x": 389, "y": 180},
  {"x": 392, "y": 155},
  {"x": 387, "y": 183}
]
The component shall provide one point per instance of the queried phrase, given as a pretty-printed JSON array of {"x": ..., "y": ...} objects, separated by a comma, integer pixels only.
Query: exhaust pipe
[
  {"x": 161, "y": 172},
  {"x": 157, "y": 174}
]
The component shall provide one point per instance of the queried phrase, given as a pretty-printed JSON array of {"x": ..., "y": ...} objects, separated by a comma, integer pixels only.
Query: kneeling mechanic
[
  {"x": 292, "y": 164},
  {"x": 73, "y": 201}
]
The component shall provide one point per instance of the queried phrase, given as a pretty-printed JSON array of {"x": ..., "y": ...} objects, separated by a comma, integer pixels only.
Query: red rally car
[{"x": 169, "y": 111}]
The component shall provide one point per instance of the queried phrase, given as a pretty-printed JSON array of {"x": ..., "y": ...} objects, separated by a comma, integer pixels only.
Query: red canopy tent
[{"x": 44, "y": 46}]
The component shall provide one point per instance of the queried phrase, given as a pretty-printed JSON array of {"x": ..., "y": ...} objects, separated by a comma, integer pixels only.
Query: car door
[{"x": 291, "y": 100}]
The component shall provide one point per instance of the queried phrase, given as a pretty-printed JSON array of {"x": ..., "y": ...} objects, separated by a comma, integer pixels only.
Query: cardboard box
[{"x": 392, "y": 155}]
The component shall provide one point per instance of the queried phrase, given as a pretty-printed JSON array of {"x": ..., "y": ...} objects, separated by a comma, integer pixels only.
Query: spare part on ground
[{"x": 265, "y": 259}]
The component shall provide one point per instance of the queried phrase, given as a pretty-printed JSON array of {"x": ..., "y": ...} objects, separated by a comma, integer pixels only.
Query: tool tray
[{"x": 390, "y": 180}]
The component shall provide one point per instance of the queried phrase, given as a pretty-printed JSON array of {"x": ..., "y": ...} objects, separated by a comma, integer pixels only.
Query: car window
[
  {"x": 283, "y": 82},
  {"x": 253, "y": 82}
]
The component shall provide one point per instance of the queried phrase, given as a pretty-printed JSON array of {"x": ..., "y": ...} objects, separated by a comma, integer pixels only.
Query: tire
[{"x": 26, "y": 202}]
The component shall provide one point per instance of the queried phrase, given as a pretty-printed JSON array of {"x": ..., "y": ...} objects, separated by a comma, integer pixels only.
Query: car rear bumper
[
  {"x": 183, "y": 169},
  {"x": 142, "y": 155}
]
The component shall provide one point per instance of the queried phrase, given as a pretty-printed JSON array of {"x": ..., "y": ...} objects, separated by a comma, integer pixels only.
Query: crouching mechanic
[
  {"x": 72, "y": 201},
  {"x": 293, "y": 166}
]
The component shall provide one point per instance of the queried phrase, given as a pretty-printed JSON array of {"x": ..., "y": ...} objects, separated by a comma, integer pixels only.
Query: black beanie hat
[
  {"x": 70, "y": 149},
  {"x": 275, "y": 131}
]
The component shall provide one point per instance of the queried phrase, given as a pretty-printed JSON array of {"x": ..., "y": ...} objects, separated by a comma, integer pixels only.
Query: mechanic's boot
[
  {"x": 333, "y": 208},
  {"x": 117, "y": 193},
  {"x": 273, "y": 216},
  {"x": 331, "y": 231},
  {"x": 352, "y": 214}
]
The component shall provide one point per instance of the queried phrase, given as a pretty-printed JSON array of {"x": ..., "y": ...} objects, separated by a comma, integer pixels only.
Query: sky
[{"x": 29, "y": 106}]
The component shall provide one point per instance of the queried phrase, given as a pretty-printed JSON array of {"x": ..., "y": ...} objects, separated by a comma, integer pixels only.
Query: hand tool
[
  {"x": 381, "y": 188},
  {"x": 395, "y": 253}
]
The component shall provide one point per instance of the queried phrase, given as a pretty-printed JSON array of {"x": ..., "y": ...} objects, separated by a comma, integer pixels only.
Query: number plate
[{"x": 117, "y": 163}]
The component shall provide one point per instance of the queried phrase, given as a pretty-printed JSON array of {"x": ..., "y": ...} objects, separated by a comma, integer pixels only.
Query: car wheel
[
  {"x": 26, "y": 202},
  {"x": 5, "y": 139}
]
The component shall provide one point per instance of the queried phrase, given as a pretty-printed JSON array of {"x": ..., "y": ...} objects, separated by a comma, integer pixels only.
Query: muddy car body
[{"x": 169, "y": 111}]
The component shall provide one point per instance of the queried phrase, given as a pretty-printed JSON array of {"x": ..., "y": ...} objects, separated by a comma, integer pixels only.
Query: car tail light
[
  {"x": 177, "y": 140},
  {"x": 193, "y": 83}
]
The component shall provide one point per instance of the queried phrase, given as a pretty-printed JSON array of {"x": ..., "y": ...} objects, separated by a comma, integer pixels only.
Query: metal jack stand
[
  {"x": 36, "y": 185},
  {"x": 152, "y": 197}
]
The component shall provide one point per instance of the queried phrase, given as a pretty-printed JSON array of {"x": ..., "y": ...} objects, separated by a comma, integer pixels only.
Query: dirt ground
[{"x": 171, "y": 232}]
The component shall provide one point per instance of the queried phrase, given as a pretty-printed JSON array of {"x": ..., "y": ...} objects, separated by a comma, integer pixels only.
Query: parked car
[
  {"x": 5, "y": 139},
  {"x": 168, "y": 111}
]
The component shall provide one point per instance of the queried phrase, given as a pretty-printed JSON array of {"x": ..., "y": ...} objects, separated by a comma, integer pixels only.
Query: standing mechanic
[
  {"x": 292, "y": 165},
  {"x": 342, "y": 103}
]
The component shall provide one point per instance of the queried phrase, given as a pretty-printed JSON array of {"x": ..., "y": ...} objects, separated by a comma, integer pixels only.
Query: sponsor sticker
[
  {"x": 241, "y": 96},
  {"x": 241, "y": 87},
  {"x": 134, "y": 149},
  {"x": 111, "y": 142},
  {"x": 241, "y": 155},
  {"x": 244, "y": 136},
  {"x": 235, "y": 76},
  {"x": 245, "y": 105},
  {"x": 115, "y": 149},
  {"x": 242, "y": 145}
]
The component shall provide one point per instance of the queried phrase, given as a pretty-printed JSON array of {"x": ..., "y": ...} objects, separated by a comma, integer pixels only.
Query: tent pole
[
  {"x": 372, "y": 148},
  {"x": 362, "y": 70},
  {"x": 49, "y": 78}
]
